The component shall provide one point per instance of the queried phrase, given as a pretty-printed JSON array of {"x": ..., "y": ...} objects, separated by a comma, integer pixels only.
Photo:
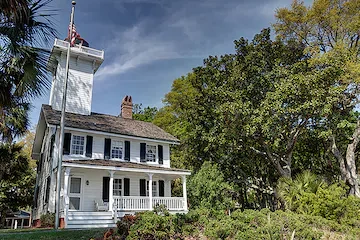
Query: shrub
[
  {"x": 157, "y": 224},
  {"x": 308, "y": 194},
  {"x": 209, "y": 189},
  {"x": 123, "y": 226},
  {"x": 47, "y": 220}
]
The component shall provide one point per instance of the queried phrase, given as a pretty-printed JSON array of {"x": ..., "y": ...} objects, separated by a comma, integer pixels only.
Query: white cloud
[
  {"x": 190, "y": 29},
  {"x": 134, "y": 48}
]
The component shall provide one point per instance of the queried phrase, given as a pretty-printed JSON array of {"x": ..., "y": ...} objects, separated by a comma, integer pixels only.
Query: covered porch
[{"x": 118, "y": 188}]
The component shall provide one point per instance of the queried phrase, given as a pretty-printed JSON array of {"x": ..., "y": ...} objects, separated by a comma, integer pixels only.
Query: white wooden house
[{"x": 112, "y": 165}]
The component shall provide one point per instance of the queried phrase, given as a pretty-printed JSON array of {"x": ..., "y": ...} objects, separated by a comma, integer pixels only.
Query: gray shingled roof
[
  {"x": 112, "y": 163},
  {"x": 107, "y": 123}
]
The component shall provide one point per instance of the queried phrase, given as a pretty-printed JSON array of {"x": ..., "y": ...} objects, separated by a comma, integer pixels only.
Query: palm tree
[
  {"x": 23, "y": 74},
  {"x": 291, "y": 190}
]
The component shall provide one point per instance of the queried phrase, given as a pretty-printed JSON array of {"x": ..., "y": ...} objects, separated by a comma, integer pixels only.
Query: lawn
[{"x": 52, "y": 234}]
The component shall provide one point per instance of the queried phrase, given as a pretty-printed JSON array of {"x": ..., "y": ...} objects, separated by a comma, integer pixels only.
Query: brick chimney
[{"x": 126, "y": 107}]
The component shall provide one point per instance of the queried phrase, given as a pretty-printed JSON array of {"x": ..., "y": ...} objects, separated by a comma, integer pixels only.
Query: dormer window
[
  {"x": 77, "y": 145},
  {"x": 151, "y": 153},
  {"x": 117, "y": 149}
]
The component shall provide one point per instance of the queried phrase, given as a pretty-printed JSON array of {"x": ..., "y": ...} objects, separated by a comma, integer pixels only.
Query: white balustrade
[
  {"x": 135, "y": 203},
  {"x": 171, "y": 203},
  {"x": 132, "y": 203},
  {"x": 79, "y": 48}
]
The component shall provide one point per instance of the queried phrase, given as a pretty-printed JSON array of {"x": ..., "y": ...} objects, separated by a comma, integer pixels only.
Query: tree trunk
[
  {"x": 337, "y": 154},
  {"x": 351, "y": 163},
  {"x": 348, "y": 167}
]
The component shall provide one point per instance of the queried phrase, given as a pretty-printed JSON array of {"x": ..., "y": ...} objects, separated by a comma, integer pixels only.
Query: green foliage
[
  {"x": 17, "y": 179},
  {"x": 47, "y": 220},
  {"x": 248, "y": 224},
  {"x": 152, "y": 225},
  {"x": 330, "y": 31},
  {"x": 23, "y": 74},
  {"x": 147, "y": 114},
  {"x": 307, "y": 194},
  {"x": 209, "y": 189}
]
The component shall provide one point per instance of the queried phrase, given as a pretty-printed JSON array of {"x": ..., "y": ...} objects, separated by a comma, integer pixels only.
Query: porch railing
[
  {"x": 172, "y": 203},
  {"x": 135, "y": 203},
  {"x": 132, "y": 203}
]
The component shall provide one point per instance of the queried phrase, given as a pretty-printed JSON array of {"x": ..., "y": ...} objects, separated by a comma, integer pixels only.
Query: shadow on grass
[{"x": 50, "y": 234}]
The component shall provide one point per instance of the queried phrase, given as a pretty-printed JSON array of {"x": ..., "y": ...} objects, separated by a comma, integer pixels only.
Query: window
[
  {"x": 117, "y": 149},
  {"x": 117, "y": 187},
  {"x": 150, "y": 153},
  {"x": 154, "y": 189},
  {"x": 77, "y": 145}
]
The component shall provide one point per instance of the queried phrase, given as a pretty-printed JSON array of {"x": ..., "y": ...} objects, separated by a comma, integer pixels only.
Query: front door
[{"x": 75, "y": 193}]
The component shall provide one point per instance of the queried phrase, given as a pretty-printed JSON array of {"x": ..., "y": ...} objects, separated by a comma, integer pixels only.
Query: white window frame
[
  {"x": 118, "y": 189},
  {"x": 71, "y": 144},
  {"x": 123, "y": 149},
  {"x": 156, "y": 188},
  {"x": 146, "y": 153}
]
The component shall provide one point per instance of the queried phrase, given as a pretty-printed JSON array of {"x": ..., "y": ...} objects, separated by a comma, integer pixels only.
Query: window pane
[
  {"x": 117, "y": 149},
  {"x": 117, "y": 187},
  {"x": 74, "y": 203},
  {"x": 77, "y": 145},
  {"x": 75, "y": 185},
  {"x": 150, "y": 153}
]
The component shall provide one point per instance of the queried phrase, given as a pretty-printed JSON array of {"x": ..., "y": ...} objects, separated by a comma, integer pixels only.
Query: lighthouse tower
[{"x": 84, "y": 62}]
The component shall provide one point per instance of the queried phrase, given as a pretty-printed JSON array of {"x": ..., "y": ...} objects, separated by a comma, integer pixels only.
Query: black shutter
[
  {"x": 127, "y": 151},
  {"x": 47, "y": 193},
  {"x": 107, "y": 148},
  {"x": 89, "y": 144},
  {"x": 67, "y": 143},
  {"x": 105, "y": 195},
  {"x": 142, "y": 152},
  {"x": 160, "y": 154},
  {"x": 36, "y": 196},
  {"x": 51, "y": 147},
  {"x": 126, "y": 187},
  {"x": 40, "y": 162},
  {"x": 143, "y": 187},
  {"x": 161, "y": 188}
]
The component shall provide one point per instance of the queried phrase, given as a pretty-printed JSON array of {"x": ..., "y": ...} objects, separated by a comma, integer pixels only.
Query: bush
[
  {"x": 123, "y": 226},
  {"x": 307, "y": 194},
  {"x": 209, "y": 189},
  {"x": 157, "y": 224},
  {"x": 47, "y": 220}
]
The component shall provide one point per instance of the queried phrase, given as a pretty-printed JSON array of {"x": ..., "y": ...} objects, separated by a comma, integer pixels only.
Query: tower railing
[{"x": 80, "y": 48}]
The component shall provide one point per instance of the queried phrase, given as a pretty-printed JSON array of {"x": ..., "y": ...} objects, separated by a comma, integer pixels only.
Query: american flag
[{"x": 73, "y": 35}]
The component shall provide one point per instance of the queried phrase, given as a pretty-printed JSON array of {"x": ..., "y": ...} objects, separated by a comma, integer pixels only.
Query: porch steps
[{"x": 90, "y": 220}]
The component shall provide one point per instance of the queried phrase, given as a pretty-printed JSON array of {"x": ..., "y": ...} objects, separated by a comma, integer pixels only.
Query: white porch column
[
  {"x": 150, "y": 191},
  {"x": 184, "y": 192},
  {"x": 111, "y": 190},
  {"x": 66, "y": 196}
]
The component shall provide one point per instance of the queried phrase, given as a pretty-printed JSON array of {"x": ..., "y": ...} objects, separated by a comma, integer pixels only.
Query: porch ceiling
[{"x": 123, "y": 166}]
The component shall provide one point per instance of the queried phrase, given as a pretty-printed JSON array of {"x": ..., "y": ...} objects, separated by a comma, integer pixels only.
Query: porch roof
[{"x": 123, "y": 166}]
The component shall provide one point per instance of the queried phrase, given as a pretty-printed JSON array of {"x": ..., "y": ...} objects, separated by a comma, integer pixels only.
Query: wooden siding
[
  {"x": 95, "y": 177},
  {"x": 80, "y": 84},
  {"x": 98, "y": 149}
]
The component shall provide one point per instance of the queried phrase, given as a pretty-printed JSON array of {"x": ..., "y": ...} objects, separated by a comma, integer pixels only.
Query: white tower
[{"x": 84, "y": 62}]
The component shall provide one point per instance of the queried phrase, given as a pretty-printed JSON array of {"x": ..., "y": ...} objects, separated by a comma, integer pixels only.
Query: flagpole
[{"x": 62, "y": 123}]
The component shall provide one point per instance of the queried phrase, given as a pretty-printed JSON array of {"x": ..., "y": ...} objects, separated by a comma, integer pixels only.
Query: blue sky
[{"x": 149, "y": 43}]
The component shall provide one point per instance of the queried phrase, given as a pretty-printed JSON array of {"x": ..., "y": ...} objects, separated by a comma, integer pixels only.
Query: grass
[{"x": 44, "y": 234}]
